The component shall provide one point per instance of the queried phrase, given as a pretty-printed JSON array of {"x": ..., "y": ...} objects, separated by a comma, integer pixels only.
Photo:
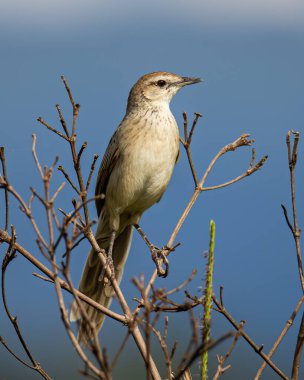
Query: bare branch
[
  {"x": 75, "y": 106},
  {"x": 83, "y": 146},
  {"x": 10, "y": 255},
  {"x": 241, "y": 141},
  {"x": 52, "y": 129},
  {"x": 24, "y": 208},
  {"x": 68, "y": 90},
  {"x": 298, "y": 351},
  {"x": 257, "y": 349},
  {"x": 5, "y": 237},
  {"x": 35, "y": 156},
  {"x": 62, "y": 121},
  {"x": 95, "y": 158},
  {"x": 198, "y": 352},
  {"x": 251, "y": 169},
  {"x": 287, "y": 326},
  {"x": 296, "y": 232},
  {"x": 2, "y": 158},
  {"x": 183, "y": 284},
  {"x": 52, "y": 200},
  {"x": 61, "y": 169},
  {"x": 187, "y": 142},
  {"x": 64, "y": 315},
  {"x": 222, "y": 359}
]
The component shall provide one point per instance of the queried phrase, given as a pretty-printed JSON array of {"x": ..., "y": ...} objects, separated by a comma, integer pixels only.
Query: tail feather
[{"x": 100, "y": 289}]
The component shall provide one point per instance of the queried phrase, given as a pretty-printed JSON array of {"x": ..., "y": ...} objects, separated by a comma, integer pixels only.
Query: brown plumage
[{"x": 134, "y": 173}]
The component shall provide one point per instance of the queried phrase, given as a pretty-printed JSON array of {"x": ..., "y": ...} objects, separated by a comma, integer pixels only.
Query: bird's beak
[{"x": 186, "y": 80}]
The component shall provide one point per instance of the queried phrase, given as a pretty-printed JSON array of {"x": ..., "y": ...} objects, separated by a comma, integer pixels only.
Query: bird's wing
[
  {"x": 177, "y": 157},
  {"x": 106, "y": 167}
]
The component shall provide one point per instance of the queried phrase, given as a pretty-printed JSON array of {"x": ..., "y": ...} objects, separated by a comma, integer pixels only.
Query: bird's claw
[
  {"x": 110, "y": 265},
  {"x": 159, "y": 256},
  {"x": 103, "y": 275}
]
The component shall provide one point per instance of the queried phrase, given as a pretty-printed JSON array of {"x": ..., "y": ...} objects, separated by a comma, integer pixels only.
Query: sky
[{"x": 251, "y": 57}]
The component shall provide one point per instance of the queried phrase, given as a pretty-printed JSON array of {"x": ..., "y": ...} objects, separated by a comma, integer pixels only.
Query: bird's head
[{"x": 157, "y": 88}]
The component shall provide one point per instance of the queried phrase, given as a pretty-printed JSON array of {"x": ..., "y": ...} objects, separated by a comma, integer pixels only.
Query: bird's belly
[
  {"x": 144, "y": 174},
  {"x": 149, "y": 177}
]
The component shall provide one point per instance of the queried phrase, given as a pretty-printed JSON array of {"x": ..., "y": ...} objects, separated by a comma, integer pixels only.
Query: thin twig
[
  {"x": 95, "y": 158},
  {"x": 296, "y": 231},
  {"x": 241, "y": 141},
  {"x": 95, "y": 346},
  {"x": 52, "y": 200},
  {"x": 257, "y": 349},
  {"x": 276, "y": 344},
  {"x": 119, "y": 351},
  {"x": 75, "y": 106},
  {"x": 52, "y": 129},
  {"x": 25, "y": 209},
  {"x": 15, "y": 355},
  {"x": 68, "y": 90},
  {"x": 5, "y": 237},
  {"x": 83, "y": 147},
  {"x": 62, "y": 121},
  {"x": 211, "y": 345},
  {"x": 182, "y": 285},
  {"x": 61, "y": 169},
  {"x": 2, "y": 158},
  {"x": 35, "y": 155},
  {"x": 287, "y": 218},
  {"x": 165, "y": 350},
  {"x": 10, "y": 255},
  {"x": 222, "y": 359},
  {"x": 187, "y": 142},
  {"x": 64, "y": 315},
  {"x": 298, "y": 351},
  {"x": 249, "y": 171}
]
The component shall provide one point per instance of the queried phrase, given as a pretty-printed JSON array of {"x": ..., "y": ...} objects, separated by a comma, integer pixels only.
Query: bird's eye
[{"x": 161, "y": 83}]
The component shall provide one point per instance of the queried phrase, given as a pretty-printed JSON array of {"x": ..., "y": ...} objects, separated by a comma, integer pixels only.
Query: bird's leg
[
  {"x": 109, "y": 263},
  {"x": 159, "y": 255},
  {"x": 109, "y": 254}
]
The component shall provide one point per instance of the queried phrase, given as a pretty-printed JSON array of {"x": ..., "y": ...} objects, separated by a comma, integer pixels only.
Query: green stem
[{"x": 208, "y": 302}]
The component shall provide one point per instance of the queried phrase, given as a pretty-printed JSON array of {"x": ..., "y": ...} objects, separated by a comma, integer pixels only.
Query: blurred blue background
[{"x": 251, "y": 57}]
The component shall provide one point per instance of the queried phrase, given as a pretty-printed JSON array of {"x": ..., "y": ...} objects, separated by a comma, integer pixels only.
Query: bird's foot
[
  {"x": 103, "y": 275},
  {"x": 110, "y": 265},
  {"x": 159, "y": 256},
  {"x": 109, "y": 261}
]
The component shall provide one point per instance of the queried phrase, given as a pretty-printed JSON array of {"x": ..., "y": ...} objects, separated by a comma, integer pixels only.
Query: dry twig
[
  {"x": 287, "y": 326},
  {"x": 241, "y": 141},
  {"x": 258, "y": 349},
  {"x": 292, "y": 152},
  {"x": 10, "y": 255}
]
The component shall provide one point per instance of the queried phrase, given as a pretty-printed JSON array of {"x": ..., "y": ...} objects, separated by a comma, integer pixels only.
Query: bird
[{"x": 134, "y": 174}]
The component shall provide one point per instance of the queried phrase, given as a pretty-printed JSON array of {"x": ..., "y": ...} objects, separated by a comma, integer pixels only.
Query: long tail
[{"x": 96, "y": 287}]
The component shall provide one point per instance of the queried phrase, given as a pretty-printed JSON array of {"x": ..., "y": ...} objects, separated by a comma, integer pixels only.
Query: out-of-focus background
[{"x": 251, "y": 57}]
